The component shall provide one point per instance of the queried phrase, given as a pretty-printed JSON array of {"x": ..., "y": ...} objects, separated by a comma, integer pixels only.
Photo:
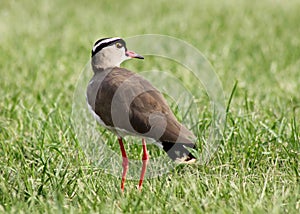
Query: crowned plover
[{"x": 127, "y": 104}]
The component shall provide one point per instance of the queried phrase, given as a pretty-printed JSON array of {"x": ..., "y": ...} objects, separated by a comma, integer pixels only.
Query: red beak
[{"x": 131, "y": 54}]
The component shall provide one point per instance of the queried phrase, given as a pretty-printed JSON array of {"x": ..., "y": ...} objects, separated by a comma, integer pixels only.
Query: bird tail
[{"x": 178, "y": 151}]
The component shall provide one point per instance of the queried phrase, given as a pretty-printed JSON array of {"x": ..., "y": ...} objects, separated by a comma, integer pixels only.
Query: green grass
[{"x": 44, "y": 45}]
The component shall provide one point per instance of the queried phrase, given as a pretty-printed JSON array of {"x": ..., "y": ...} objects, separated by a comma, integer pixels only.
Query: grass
[{"x": 44, "y": 45}]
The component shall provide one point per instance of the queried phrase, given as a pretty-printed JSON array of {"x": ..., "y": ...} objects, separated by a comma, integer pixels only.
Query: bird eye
[{"x": 119, "y": 45}]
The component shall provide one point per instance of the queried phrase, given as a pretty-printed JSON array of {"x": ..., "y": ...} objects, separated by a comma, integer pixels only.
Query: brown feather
[{"x": 127, "y": 101}]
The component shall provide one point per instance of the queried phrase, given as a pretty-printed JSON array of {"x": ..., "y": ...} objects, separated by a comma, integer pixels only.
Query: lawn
[{"x": 254, "y": 48}]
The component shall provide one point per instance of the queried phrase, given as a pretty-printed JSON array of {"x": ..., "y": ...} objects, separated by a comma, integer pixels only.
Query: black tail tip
[{"x": 179, "y": 152}]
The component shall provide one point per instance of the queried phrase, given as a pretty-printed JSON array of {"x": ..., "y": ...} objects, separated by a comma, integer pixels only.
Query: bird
[{"x": 125, "y": 103}]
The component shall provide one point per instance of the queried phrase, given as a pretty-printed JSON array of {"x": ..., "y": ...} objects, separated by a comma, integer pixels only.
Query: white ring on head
[{"x": 105, "y": 41}]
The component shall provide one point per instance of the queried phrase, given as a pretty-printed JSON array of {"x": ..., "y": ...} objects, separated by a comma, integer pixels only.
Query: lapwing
[{"x": 127, "y": 104}]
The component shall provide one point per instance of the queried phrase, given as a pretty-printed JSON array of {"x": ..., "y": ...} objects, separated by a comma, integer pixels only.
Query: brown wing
[
  {"x": 151, "y": 115},
  {"x": 128, "y": 101}
]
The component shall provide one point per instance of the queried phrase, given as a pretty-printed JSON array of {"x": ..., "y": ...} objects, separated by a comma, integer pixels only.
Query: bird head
[{"x": 111, "y": 52}]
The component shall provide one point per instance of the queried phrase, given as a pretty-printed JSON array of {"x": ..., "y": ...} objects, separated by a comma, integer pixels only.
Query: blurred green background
[{"x": 44, "y": 45}]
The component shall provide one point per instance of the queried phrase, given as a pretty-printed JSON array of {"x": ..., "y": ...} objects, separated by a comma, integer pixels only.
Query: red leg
[
  {"x": 124, "y": 163},
  {"x": 145, "y": 161}
]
